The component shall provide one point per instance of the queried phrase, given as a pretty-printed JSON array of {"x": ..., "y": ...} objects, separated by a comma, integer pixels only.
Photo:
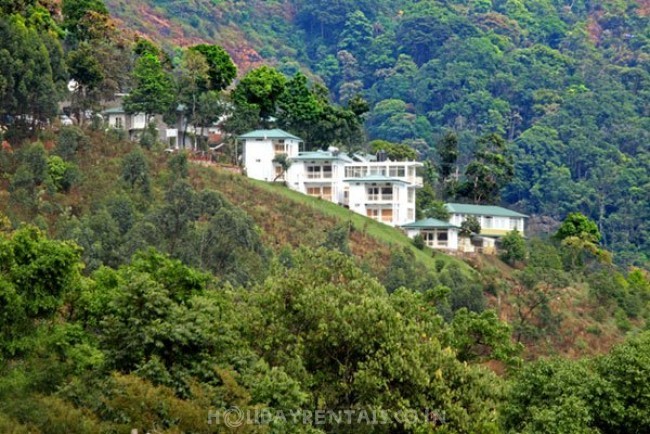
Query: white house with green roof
[
  {"x": 367, "y": 184},
  {"x": 261, "y": 147},
  {"x": 495, "y": 221},
  {"x": 437, "y": 234}
]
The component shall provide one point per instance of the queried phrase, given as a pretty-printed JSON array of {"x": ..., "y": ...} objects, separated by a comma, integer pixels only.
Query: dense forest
[
  {"x": 139, "y": 290},
  {"x": 565, "y": 82}
]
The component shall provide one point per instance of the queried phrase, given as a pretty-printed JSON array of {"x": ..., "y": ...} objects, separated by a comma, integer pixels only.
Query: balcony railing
[
  {"x": 380, "y": 198},
  {"x": 319, "y": 175}
]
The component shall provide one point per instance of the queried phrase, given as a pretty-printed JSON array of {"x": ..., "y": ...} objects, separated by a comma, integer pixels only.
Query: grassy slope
[{"x": 289, "y": 217}]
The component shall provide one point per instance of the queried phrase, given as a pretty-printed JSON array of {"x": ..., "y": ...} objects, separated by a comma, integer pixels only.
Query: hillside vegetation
[
  {"x": 565, "y": 81},
  {"x": 139, "y": 290}
]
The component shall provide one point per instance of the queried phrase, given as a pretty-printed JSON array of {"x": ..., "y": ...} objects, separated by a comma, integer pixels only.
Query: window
[
  {"x": 372, "y": 213},
  {"x": 487, "y": 222},
  {"x": 278, "y": 170},
  {"x": 279, "y": 148},
  {"x": 373, "y": 193},
  {"x": 411, "y": 195},
  {"x": 387, "y": 193},
  {"x": 429, "y": 238},
  {"x": 377, "y": 171},
  {"x": 355, "y": 172},
  {"x": 443, "y": 238},
  {"x": 386, "y": 215},
  {"x": 397, "y": 171},
  {"x": 322, "y": 192},
  {"x": 513, "y": 224},
  {"x": 327, "y": 193},
  {"x": 327, "y": 171},
  {"x": 410, "y": 215},
  {"x": 119, "y": 122},
  {"x": 313, "y": 172}
]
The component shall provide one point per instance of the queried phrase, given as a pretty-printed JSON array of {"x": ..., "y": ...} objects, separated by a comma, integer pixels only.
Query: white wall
[
  {"x": 360, "y": 202},
  {"x": 452, "y": 237},
  {"x": 259, "y": 155},
  {"x": 497, "y": 223}
]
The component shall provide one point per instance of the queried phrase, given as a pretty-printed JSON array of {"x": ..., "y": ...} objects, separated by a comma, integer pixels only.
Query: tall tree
[
  {"x": 193, "y": 73},
  {"x": 221, "y": 69},
  {"x": 489, "y": 171},
  {"x": 153, "y": 91},
  {"x": 262, "y": 88}
]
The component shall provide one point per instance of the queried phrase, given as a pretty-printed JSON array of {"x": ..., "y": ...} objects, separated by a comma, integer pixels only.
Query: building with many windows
[
  {"x": 495, "y": 222},
  {"x": 367, "y": 184}
]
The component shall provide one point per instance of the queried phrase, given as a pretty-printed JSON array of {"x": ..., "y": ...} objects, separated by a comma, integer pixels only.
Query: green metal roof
[
  {"x": 321, "y": 155},
  {"x": 374, "y": 178},
  {"x": 488, "y": 210},
  {"x": 114, "y": 110},
  {"x": 430, "y": 223},
  {"x": 269, "y": 134}
]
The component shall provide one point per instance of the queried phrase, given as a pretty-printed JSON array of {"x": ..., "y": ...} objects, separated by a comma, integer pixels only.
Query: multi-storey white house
[
  {"x": 373, "y": 186},
  {"x": 260, "y": 149}
]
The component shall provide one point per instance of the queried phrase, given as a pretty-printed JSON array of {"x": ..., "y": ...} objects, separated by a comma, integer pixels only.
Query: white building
[
  {"x": 495, "y": 221},
  {"x": 383, "y": 190},
  {"x": 437, "y": 234},
  {"x": 261, "y": 147}
]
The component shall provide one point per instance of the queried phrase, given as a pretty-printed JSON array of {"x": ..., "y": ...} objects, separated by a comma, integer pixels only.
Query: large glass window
[{"x": 399, "y": 171}]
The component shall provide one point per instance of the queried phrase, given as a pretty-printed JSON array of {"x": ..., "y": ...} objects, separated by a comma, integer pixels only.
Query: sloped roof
[
  {"x": 488, "y": 210},
  {"x": 269, "y": 134},
  {"x": 430, "y": 223},
  {"x": 114, "y": 110},
  {"x": 374, "y": 178},
  {"x": 322, "y": 155}
]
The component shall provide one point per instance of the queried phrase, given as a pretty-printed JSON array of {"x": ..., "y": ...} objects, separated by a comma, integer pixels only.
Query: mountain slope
[{"x": 566, "y": 82}]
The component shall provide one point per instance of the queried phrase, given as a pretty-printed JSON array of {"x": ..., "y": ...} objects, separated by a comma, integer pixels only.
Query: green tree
[
  {"x": 28, "y": 93},
  {"x": 261, "y": 87},
  {"x": 470, "y": 226},
  {"x": 78, "y": 16},
  {"x": 394, "y": 151},
  {"x": 513, "y": 248},
  {"x": 580, "y": 235},
  {"x": 221, "y": 69},
  {"x": 135, "y": 171},
  {"x": 282, "y": 160},
  {"x": 193, "y": 75},
  {"x": 152, "y": 92},
  {"x": 489, "y": 171},
  {"x": 88, "y": 74},
  {"x": 578, "y": 225}
]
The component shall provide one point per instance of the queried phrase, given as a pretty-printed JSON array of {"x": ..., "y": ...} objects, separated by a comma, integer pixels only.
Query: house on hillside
[
  {"x": 437, "y": 234},
  {"x": 495, "y": 222},
  {"x": 371, "y": 185},
  {"x": 133, "y": 124},
  {"x": 178, "y": 135},
  {"x": 260, "y": 149}
]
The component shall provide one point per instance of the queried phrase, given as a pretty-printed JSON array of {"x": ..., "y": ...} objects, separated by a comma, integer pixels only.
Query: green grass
[{"x": 381, "y": 232}]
